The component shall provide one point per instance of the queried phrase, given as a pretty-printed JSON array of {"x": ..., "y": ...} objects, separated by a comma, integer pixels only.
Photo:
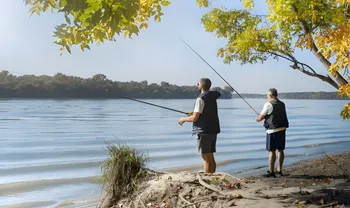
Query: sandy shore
[
  {"x": 314, "y": 183},
  {"x": 322, "y": 182}
]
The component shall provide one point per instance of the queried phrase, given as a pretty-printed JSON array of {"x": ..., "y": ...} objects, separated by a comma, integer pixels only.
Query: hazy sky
[{"x": 26, "y": 46}]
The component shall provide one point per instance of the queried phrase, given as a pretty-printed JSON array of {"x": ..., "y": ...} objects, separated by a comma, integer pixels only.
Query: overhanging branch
[
  {"x": 301, "y": 67},
  {"x": 340, "y": 79}
]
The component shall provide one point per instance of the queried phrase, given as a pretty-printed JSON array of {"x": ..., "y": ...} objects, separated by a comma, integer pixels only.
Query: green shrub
[{"x": 122, "y": 169}]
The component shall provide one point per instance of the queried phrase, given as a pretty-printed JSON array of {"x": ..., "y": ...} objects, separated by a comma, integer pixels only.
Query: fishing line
[
  {"x": 159, "y": 106},
  {"x": 218, "y": 74}
]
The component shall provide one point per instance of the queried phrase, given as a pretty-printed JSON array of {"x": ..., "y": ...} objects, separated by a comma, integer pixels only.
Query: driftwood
[
  {"x": 345, "y": 171},
  {"x": 229, "y": 175},
  {"x": 205, "y": 199},
  {"x": 200, "y": 180},
  {"x": 197, "y": 202},
  {"x": 330, "y": 204},
  {"x": 140, "y": 201},
  {"x": 187, "y": 202}
]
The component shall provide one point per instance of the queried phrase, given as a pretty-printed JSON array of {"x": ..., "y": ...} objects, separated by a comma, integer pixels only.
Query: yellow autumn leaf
[
  {"x": 248, "y": 4},
  {"x": 165, "y": 3},
  {"x": 202, "y": 3}
]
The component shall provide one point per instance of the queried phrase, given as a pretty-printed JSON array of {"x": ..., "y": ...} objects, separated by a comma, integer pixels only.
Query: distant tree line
[
  {"x": 98, "y": 86},
  {"x": 297, "y": 95}
]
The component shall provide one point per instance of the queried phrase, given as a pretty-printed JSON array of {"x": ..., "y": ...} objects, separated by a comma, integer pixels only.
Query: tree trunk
[{"x": 340, "y": 79}]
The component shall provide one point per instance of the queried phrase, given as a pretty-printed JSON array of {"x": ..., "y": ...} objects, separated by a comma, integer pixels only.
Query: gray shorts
[{"x": 206, "y": 143}]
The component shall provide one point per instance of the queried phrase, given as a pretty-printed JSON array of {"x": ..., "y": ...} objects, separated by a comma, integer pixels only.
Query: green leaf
[
  {"x": 248, "y": 4},
  {"x": 144, "y": 25},
  {"x": 99, "y": 20},
  {"x": 134, "y": 29},
  {"x": 83, "y": 46},
  {"x": 68, "y": 49},
  {"x": 157, "y": 18},
  {"x": 45, "y": 6},
  {"x": 202, "y": 3},
  {"x": 100, "y": 35},
  {"x": 165, "y": 3},
  {"x": 67, "y": 19},
  {"x": 126, "y": 33},
  {"x": 32, "y": 10},
  {"x": 78, "y": 38}
]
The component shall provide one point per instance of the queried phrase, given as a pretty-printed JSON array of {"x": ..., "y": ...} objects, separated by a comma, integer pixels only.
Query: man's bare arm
[
  {"x": 192, "y": 118},
  {"x": 260, "y": 118}
]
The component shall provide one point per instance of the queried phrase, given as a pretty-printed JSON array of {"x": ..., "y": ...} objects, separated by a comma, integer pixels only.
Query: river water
[{"x": 51, "y": 150}]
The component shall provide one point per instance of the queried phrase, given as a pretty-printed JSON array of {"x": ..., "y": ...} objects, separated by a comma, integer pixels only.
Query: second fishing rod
[{"x": 219, "y": 75}]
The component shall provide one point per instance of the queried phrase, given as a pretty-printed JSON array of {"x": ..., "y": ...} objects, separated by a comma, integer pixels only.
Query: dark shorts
[
  {"x": 206, "y": 143},
  {"x": 276, "y": 141}
]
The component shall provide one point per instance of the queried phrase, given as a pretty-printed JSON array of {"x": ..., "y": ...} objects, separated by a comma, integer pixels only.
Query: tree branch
[
  {"x": 292, "y": 59},
  {"x": 302, "y": 64},
  {"x": 321, "y": 77},
  {"x": 296, "y": 64},
  {"x": 187, "y": 202},
  {"x": 340, "y": 79},
  {"x": 200, "y": 180}
]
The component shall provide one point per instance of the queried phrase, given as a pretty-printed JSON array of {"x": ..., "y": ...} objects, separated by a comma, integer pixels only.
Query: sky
[{"x": 26, "y": 47}]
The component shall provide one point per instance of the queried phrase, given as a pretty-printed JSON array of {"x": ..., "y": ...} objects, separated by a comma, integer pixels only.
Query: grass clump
[{"x": 122, "y": 169}]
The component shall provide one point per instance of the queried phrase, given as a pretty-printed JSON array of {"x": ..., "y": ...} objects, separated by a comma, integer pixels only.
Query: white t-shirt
[
  {"x": 199, "y": 106},
  {"x": 267, "y": 110}
]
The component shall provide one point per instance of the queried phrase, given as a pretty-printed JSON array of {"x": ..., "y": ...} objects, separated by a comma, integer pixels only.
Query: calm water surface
[{"x": 52, "y": 149}]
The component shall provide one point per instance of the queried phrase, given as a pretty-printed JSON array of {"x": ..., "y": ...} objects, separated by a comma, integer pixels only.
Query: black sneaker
[
  {"x": 269, "y": 175},
  {"x": 279, "y": 173}
]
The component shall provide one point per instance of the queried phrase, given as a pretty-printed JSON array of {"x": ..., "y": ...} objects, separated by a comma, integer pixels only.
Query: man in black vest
[
  {"x": 276, "y": 123},
  {"x": 205, "y": 123}
]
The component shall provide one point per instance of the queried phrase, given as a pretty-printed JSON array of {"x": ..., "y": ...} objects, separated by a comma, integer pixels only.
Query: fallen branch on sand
[
  {"x": 140, "y": 201},
  {"x": 200, "y": 180},
  {"x": 330, "y": 204},
  {"x": 205, "y": 199},
  {"x": 197, "y": 202},
  {"x": 187, "y": 202},
  {"x": 345, "y": 171},
  {"x": 229, "y": 175}
]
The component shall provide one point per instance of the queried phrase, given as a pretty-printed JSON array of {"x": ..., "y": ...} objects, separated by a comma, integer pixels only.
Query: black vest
[
  {"x": 208, "y": 121},
  {"x": 278, "y": 117}
]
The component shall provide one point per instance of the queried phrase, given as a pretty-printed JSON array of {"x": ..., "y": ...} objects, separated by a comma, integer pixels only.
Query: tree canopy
[
  {"x": 95, "y": 21},
  {"x": 319, "y": 26}
]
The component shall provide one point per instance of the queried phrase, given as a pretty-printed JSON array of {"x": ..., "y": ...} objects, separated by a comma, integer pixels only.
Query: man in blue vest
[
  {"x": 205, "y": 123},
  {"x": 276, "y": 123}
]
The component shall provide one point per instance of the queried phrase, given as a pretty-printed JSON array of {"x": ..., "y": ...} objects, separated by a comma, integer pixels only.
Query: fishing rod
[
  {"x": 133, "y": 99},
  {"x": 218, "y": 74}
]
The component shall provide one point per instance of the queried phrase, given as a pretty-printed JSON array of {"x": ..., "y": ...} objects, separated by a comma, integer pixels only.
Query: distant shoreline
[
  {"x": 61, "y": 86},
  {"x": 297, "y": 95},
  {"x": 235, "y": 97},
  {"x": 48, "y": 98}
]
